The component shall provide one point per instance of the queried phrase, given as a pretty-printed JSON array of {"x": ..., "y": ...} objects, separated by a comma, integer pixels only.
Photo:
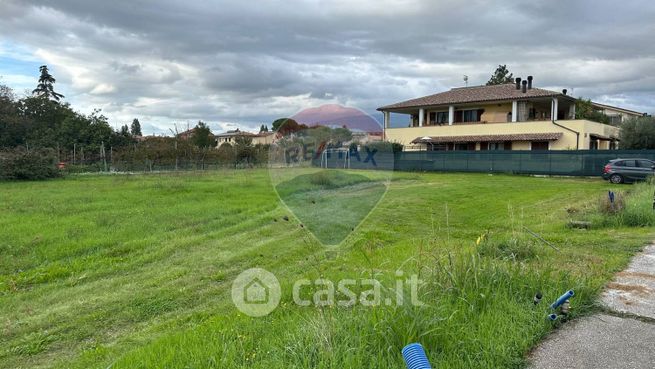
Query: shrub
[
  {"x": 22, "y": 164},
  {"x": 384, "y": 146},
  {"x": 606, "y": 206},
  {"x": 321, "y": 178}
]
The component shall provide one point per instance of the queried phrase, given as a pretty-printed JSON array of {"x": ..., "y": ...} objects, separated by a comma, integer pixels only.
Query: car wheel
[{"x": 616, "y": 178}]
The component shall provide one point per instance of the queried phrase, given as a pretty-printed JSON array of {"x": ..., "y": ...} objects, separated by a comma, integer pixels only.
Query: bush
[
  {"x": 385, "y": 146},
  {"x": 22, "y": 164},
  {"x": 321, "y": 179}
]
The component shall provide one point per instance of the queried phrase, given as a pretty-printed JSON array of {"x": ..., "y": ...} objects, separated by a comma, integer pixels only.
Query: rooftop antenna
[{"x": 466, "y": 80}]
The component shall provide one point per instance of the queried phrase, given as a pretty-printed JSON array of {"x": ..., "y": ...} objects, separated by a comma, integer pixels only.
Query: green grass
[
  {"x": 135, "y": 271},
  {"x": 331, "y": 203},
  {"x": 633, "y": 207}
]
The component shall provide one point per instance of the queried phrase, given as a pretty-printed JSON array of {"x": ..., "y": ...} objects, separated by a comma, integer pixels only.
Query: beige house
[
  {"x": 230, "y": 136},
  {"x": 513, "y": 116},
  {"x": 263, "y": 138}
]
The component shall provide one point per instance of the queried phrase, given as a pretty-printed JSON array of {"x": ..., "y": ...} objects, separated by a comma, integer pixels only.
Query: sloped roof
[
  {"x": 235, "y": 132},
  {"x": 491, "y": 138},
  {"x": 462, "y": 95},
  {"x": 627, "y": 111}
]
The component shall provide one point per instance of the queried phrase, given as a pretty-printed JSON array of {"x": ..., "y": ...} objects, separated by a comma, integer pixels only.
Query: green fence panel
[{"x": 566, "y": 162}]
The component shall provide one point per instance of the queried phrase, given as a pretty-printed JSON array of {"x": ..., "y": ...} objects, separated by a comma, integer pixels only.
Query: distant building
[
  {"x": 189, "y": 134},
  {"x": 261, "y": 138},
  {"x": 514, "y": 116},
  {"x": 365, "y": 137},
  {"x": 264, "y": 138},
  {"x": 230, "y": 136}
]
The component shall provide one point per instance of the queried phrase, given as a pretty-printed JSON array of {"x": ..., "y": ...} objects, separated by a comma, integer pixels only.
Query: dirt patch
[
  {"x": 636, "y": 274},
  {"x": 643, "y": 290},
  {"x": 625, "y": 300}
]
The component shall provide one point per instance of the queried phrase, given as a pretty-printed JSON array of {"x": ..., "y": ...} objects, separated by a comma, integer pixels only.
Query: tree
[
  {"x": 584, "y": 109},
  {"x": 13, "y": 128},
  {"x": 202, "y": 136},
  {"x": 280, "y": 123},
  {"x": 135, "y": 128},
  {"x": 7, "y": 93},
  {"x": 286, "y": 126},
  {"x": 263, "y": 128},
  {"x": 45, "y": 87},
  {"x": 638, "y": 133},
  {"x": 501, "y": 76},
  {"x": 341, "y": 135}
]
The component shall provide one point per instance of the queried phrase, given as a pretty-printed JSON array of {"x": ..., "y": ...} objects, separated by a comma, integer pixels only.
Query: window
[
  {"x": 645, "y": 163},
  {"x": 629, "y": 163},
  {"x": 465, "y": 146},
  {"x": 442, "y": 117},
  {"x": 437, "y": 147},
  {"x": 470, "y": 116},
  {"x": 593, "y": 144},
  {"x": 496, "y": 146},
  {"x": 439, "y": 117},
  {"x": 615, "y": 119},
  {"x": 539, "y": 145}
]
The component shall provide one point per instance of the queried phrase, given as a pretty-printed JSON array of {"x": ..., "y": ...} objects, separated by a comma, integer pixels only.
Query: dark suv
[{"x": 628, "y": 170}]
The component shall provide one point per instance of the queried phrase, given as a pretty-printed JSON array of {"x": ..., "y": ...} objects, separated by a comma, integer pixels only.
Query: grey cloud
[{"x": 249, "y": 63}]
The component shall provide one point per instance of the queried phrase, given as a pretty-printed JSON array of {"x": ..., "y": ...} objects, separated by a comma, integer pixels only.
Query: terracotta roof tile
[
  {"x": 491, "y": 138},
  {"x": 474, "y": 94}
]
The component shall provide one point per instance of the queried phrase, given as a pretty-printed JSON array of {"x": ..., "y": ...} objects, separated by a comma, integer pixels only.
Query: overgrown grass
[
  {"x": 135, "y": 271},
  {"x": 632, "y": 207}
]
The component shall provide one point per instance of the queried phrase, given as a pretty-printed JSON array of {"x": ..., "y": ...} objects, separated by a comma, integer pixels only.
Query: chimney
[
  {"x": 525, "y": 85},
  {"x": 564, "y": 92},
  {"x": 529, "y": 82},
  {"x": 518, "y": 83}
]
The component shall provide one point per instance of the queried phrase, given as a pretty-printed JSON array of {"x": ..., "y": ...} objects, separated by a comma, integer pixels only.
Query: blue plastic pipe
[
  {"x": 414, "y": 356},
  {"x": 552, "y": 317},
  {"x": 562, "y": 299}
]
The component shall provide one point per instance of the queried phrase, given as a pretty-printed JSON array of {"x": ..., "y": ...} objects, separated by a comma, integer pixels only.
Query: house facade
[
  {"x": 261, "y": 138},
  {"x": 513, "y": 116},
  {"x": 230, "y": 137}
]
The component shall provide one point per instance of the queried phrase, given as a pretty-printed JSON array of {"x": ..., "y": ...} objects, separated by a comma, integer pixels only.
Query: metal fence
[{"x": 565, "y": 162}]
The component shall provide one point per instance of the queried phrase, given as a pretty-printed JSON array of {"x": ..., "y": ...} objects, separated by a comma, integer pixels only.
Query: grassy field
[{"x": 135, "y": 271}]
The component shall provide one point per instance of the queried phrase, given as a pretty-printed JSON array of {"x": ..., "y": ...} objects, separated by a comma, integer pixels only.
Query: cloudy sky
[{"x": 244, "y": 63}]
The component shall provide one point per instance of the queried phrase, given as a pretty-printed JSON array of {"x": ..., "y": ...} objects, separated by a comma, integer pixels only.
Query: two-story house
[{"x": 513, "y": 116}]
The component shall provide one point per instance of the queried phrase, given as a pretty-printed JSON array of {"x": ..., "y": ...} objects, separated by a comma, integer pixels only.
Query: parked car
[{"x": 628, "y": 170}]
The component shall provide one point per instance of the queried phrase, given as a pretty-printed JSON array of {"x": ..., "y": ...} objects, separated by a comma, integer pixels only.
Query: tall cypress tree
[
  {"x": 45, "y": 87},
  {"x": 136, "y": 128}
]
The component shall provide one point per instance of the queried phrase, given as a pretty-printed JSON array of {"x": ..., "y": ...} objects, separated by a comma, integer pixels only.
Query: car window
[
  {"x": 629, "y": 163},
  {"x": 645, "y": 163},
  {"x": 618, "y": 163}
]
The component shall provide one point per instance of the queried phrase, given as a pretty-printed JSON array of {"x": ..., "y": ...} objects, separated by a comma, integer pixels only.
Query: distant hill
[{"x": 335, "y": 115}]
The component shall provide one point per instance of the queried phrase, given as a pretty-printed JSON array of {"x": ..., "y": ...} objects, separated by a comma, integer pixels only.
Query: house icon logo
[{"x": 256, "y": 292}]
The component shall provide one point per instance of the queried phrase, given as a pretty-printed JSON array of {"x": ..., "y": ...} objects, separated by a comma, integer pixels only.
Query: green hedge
[{"x": 22, "y": 164}]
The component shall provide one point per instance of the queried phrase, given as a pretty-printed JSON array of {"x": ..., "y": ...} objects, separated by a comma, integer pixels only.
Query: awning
[
  {"x": 603, "y": 138},
  {"x": 491, "y": 138}
]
